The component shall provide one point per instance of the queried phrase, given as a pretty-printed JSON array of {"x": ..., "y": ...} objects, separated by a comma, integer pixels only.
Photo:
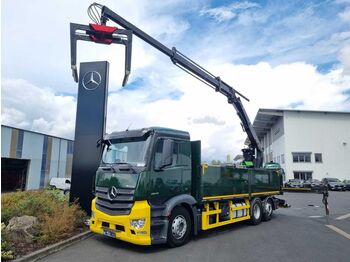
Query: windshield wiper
[{"x": 128, "y": 164}]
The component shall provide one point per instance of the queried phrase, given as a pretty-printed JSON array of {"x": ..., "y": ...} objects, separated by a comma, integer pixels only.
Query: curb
[{"x": 41, "y": 253}]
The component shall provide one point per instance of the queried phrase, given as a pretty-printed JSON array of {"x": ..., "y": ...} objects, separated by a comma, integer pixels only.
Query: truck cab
[{"x": 139, "y": 172}]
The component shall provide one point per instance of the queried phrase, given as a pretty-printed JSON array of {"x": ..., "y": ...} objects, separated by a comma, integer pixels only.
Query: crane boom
[{"x": 255, "y": 149}]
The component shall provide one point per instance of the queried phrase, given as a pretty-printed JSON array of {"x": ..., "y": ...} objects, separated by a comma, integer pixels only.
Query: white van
[{"x": 61, "y": 183}]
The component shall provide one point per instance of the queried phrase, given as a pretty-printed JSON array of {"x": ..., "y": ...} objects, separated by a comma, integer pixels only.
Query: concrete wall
[
  {"x": 54, "y": 158},
  {"x": 33, "y": 149},
  {"x": 63, "y": 159},
  {"x": 318, "y": 132},
  {"x": 273, "y": 142},
  {"x": 5, "y": 141}
]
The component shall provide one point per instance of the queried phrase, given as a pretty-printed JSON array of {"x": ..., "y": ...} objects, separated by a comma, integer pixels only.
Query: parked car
[
  {"x": 295, "y": 183},
  {"x": 333, "y": 184},
  {"x": 61, "y": 183},
  {"x": 347, "y": 184},
  {"x": 312, "y": 183}
]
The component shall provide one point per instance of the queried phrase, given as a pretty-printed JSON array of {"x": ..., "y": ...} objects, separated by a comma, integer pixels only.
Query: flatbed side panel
[
  {"x": 196, "y": 189},
  {"x": 224, "y": 180},
  {"x": 264, "y": 181},
  {"x": 227, "y": 181}
]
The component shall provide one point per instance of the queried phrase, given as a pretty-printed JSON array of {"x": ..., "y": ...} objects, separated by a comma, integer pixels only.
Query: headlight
[
  {"x": 92, "y": 214},
  {"x": 137, "y": 223}
]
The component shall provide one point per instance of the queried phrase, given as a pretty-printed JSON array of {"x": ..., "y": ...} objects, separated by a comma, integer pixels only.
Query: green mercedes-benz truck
[{"x": 151, "y": 188}]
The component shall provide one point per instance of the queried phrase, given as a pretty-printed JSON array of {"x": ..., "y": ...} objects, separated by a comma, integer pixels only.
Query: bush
[
  {"x": 6, "y": 253},
  {"x": 62, "y": 222},
  {"x": 32, "y": 203},
  {"x": 57, "y": 218}
]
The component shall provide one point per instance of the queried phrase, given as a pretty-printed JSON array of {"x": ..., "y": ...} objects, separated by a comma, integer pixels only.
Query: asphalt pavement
[{"x": 299, "y": 233}]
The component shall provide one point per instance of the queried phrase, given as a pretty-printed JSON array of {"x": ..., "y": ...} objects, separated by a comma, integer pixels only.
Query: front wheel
[
  {"x": 256, "y": 211},
  {"x": 179, "y": 227}
]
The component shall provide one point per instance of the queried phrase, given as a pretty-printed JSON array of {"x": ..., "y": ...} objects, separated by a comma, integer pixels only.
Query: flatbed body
[{"x": 228, "y": 180}]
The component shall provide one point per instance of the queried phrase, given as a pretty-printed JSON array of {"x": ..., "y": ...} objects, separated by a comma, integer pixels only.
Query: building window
[
  {"x": 282, "y": 158},
  {"x": 301, "y": 157},
  {"x": 318, "y": 158},
  {"x": 303, "y": 175}
]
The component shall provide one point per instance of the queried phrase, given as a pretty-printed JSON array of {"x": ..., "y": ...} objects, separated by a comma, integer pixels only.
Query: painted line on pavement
[
  {"x": 339, "y": 231},
  {"x": 343, "y": 217}
]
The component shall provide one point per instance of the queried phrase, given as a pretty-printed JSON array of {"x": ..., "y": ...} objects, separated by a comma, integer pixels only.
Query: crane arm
[
  {"x": 185, "y": 64},
  {"x": 194, "y": 69}
]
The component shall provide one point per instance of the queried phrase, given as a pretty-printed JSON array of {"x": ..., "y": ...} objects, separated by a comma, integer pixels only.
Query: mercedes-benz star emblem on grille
[
  {"x": 91, "y": 80},
  {"x": 112, "y": 192}
]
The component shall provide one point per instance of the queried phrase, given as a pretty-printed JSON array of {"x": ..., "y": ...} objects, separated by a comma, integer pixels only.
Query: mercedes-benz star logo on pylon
[
  {"x": 112, "y": 192},
  {"x": 91, "y": 80}
]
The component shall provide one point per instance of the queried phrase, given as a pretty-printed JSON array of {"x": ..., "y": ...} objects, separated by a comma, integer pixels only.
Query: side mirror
[{"x": 167, "y": 154}]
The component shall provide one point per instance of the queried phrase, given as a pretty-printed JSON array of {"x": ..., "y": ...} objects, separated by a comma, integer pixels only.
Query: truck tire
[
  {"x": 268, "y": 210},
  {"x": 256, "y": 211},
  {"x": 179, "y": 227}
]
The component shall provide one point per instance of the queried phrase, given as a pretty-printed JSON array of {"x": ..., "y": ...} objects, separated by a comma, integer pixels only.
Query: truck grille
[{"x": 121, "y": 205}]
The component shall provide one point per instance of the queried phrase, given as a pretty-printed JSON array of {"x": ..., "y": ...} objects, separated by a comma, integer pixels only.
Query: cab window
[{"x": 181, "y": 153}]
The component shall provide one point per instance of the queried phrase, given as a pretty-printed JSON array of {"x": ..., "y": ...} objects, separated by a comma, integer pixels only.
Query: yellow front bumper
[{"x": 140, "y": 209}]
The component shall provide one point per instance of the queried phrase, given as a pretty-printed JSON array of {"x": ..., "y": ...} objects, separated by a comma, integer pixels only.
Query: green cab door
[{"x": 174, "y": 179}]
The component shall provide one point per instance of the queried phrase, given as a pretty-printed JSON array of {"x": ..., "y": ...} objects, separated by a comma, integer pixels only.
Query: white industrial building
[
  {"x": 30, "y": 159},
  {"x": 307, "y": 144}
]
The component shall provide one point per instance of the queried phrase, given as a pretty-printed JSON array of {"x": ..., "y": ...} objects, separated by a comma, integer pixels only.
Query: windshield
[{"x": 133, "y": 152}]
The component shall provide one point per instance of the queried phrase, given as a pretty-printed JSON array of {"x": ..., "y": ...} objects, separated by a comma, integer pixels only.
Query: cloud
[
  {"x": 344, "y": 57},
  {"x": 27, "y": 106},
  {"x": 278, "y": 34},
  {"x": 226, "y": 13},
  {"x": 208, "y": 120},
  {"x": 345, "y": 15}
]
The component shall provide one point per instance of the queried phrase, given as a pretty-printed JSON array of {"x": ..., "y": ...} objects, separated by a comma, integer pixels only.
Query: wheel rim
[
  {"x": 179, "y": 227},
  {"x": 256, "y": 211},
  {"x": 268, "y": 208}
]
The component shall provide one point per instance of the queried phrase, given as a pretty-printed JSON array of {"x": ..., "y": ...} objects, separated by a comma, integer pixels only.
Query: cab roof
[{"x": 144, "y": 132}]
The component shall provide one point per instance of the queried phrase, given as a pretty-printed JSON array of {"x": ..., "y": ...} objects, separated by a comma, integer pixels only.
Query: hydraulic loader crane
[{"x": 100, "y": 33}]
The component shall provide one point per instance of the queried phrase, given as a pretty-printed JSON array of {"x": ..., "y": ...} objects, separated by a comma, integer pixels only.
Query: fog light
[{"x": 137, "y": 223}]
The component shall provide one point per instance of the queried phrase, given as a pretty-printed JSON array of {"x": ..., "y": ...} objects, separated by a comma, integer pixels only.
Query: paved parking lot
[{"x": 299, "y": 233}]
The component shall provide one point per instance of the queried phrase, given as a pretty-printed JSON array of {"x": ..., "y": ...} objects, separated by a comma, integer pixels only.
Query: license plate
[{"x": 109, "y": 233}]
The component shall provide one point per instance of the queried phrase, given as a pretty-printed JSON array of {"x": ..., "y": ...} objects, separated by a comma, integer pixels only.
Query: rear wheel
[
  {"x": 268, "y": 210},
  {"x": 256, "y": 211},
  {"x": 179, "y": 227}
]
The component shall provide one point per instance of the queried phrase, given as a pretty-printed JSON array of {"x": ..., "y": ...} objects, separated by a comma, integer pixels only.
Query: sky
[{"x": 279, "y": 54}]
